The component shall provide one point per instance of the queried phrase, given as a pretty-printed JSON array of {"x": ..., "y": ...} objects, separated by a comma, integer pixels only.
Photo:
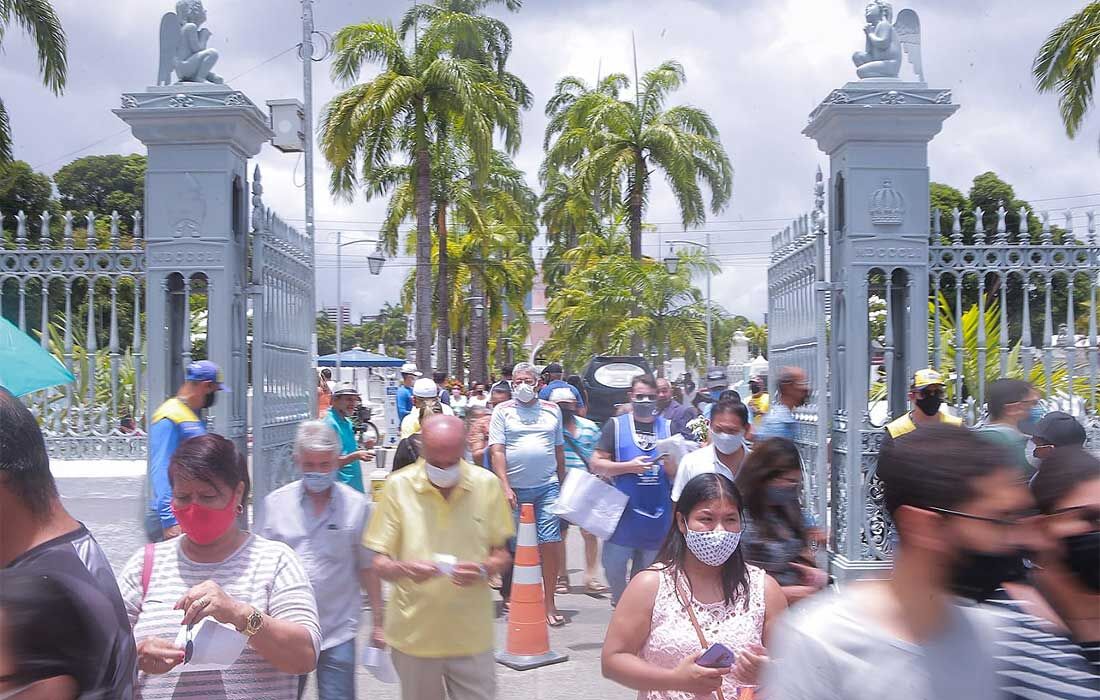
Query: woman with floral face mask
[
  {"x": 216, "y": 570},
  {"x": 699, "y": 593}
]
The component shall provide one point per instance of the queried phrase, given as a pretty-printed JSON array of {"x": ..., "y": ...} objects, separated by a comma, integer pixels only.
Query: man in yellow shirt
[
  {"x": 425, "y": 393},
  {"x": 926, "y": 394},
  {"x": 440, "y": 531},
  {"x": 759, "y": 403}
]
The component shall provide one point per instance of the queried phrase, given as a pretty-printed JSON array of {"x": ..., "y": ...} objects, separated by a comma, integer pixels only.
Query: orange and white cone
[{"x": 528, "y": 642}]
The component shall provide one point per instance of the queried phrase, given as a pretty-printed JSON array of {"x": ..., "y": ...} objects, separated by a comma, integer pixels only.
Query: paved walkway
[{"x": 107, "y": 498}]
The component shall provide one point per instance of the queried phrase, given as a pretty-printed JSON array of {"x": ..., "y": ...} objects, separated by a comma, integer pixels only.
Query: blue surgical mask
[
  {"x": 318, "y": 482},
  {"x": 1036, "y": 413},
  {"x": 715, "y": 393}
]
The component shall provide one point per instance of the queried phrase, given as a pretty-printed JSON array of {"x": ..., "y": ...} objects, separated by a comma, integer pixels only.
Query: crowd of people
[{"x": 713, "y": 570}]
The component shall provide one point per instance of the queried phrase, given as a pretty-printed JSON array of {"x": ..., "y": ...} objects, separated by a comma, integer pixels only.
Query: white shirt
[{"x": 702, "y": 461}]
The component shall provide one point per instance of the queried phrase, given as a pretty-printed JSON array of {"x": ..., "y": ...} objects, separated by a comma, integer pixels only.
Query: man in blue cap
[{"x": 176, "y": 420}]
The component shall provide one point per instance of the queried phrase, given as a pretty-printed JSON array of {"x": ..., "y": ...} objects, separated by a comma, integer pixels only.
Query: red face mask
[{"x": 204, "y": 525}]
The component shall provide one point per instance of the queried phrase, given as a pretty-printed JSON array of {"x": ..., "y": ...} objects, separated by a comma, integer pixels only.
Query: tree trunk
[
  {"x": 423, "y": 250},
  {"x": 479, "y": 370},
  {"x": 459, "y": 346},
  {"x": 637, "y": 201},
  {"x": 443, "y": 327}
]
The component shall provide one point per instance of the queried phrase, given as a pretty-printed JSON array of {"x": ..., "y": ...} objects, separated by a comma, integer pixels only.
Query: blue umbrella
[
  {"x": 26, "y": 366},
  {"x": 358, "y": 357}
]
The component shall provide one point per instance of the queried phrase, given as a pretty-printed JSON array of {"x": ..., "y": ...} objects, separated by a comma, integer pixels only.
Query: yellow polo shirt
[{"x": 413, "y": 522}]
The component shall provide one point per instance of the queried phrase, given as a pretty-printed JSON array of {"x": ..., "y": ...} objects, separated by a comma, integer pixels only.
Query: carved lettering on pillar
[
  {"x": 891, "y": 253},
  {"x": 185, "y": 258}
]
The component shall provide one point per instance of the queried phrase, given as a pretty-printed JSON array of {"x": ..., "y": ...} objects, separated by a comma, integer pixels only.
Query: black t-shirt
[
  {"x": 607, "y": 435},
  {"x": 76, "y": 563}
]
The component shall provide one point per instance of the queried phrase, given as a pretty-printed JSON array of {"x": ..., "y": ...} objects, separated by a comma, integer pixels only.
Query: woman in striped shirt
[{"x": 219, "y": 571}]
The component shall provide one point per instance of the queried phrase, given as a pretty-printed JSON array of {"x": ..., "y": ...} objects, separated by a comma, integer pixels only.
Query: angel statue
[
  {"x": 881, "y": 57},
  {"x": 183, "y": 46}
]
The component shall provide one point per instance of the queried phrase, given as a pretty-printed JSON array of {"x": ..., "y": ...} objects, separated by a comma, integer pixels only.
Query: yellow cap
[{"x": 926, "y": 377}]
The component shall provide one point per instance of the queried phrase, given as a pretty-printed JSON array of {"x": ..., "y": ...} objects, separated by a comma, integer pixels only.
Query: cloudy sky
[{"x": 757, "y": 66}]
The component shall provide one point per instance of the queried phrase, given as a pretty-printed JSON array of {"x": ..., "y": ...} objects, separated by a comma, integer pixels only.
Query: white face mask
[
  {"x": 1029, "y": 453},
  {"x": 712, "y": 547},
  {"x": 523, "y": 392},
  {"x": 443, "y": 478},
  {"x": 727, "y": 443}
]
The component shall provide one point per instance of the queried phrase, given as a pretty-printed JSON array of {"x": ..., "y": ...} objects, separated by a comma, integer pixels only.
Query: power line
[{"x": 124, "y": 130}]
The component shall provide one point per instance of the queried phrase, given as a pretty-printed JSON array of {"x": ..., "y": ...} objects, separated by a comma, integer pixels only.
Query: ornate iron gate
[
  {"x": 98, "y": 269},
  {"x": 797, "y": 309},
  {"x": 283, "y": 389}
]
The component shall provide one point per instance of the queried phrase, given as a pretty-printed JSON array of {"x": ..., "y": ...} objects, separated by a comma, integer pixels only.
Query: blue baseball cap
[{"x": 206, "y": 371}]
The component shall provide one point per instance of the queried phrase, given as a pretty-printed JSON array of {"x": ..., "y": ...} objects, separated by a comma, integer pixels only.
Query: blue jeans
[
  {"x": 616, "y": 560},
  {"x": 335, "y": 673}
]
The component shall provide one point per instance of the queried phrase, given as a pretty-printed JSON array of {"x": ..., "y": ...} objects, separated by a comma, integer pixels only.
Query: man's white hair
[
  {"x": 525, "y": 368},
  {"x": 316, "y": 436}
]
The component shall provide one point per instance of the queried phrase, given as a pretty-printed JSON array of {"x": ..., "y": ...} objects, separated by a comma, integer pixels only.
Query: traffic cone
[{"x": 528, "y": 643}]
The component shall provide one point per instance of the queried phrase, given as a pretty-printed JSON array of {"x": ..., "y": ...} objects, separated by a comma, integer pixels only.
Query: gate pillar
[
  {"x": 199, "y": 139},
  {"x": 876, "y": 132}
]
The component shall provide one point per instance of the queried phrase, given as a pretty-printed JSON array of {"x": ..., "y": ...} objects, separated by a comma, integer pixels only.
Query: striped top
[
  {"x": 1033, "y": 663},
  {"x": 262, "y": 573},
  {"x": 588, "y": 434}
]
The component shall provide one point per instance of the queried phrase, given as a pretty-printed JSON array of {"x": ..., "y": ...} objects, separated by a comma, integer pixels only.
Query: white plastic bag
[
  {"x": 590, "y": 503},
  {"x": 380, "y": 663}
]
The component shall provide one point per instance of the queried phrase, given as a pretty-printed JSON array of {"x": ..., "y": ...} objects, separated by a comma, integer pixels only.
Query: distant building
[
  {"x": 538, "y": 330},
  {"x": 344, "y": 310}
]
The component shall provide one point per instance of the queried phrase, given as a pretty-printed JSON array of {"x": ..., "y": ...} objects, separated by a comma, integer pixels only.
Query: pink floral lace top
[{"x": 672, "y": 636}]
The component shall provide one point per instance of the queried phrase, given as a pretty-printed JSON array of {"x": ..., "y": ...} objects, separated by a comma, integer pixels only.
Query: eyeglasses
[
  {"x": 1002, "y": 522},
  {"x": 1090, "y": 514},
  {"x": 929, "y": 393},
  {"x": 189, "y": 647},
  {"x": 529, "y": 382}
]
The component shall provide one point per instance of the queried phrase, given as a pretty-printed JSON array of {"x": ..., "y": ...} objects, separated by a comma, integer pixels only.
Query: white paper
[
  {"x": 446, "y": 563},
  {"x": 215, "y": 646},
  {"x": 676, "y": 446},
  {"x": 380, "y": 664}
]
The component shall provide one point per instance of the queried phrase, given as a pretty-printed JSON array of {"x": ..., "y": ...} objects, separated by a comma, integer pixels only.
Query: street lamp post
[
  {"x": 374, "y": 262},
  {"x": 672, "y": 262}
]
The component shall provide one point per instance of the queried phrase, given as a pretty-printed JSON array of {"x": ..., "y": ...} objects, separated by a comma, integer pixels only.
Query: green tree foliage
[
  {"x": 451, "y": 82},
  {"x": 615, "y": 146},
  {"x": 103, "y": 184},
  {"x": 38, "y": 19},
  {"x": 1066, "y": 64},
  {"x": 24, "y": 190},
  {"x": 387, "y": 329}
]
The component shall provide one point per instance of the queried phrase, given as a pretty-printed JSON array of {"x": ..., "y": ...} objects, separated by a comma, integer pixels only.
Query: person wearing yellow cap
[{"x": 926, "y": 394}]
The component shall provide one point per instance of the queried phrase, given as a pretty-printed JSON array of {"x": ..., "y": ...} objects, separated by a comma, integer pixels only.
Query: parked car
[{"x": 607, "y": 379}]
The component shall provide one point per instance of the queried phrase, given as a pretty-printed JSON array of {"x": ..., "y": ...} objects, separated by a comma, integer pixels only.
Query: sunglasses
[
  {"x": 189, "y": 647},
  {"x": 1000, "y": 522}
]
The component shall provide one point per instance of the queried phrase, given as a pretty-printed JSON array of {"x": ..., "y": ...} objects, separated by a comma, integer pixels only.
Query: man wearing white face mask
[
  {"x": 324, "y": 520},
  {"x": 726, "y": 451},
  {"x": 440, "y": 532}
]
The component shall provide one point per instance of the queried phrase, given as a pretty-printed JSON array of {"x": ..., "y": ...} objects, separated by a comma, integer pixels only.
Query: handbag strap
[
  {"x": 694, "y": 622},
  {"x": 575, "y": 447}
]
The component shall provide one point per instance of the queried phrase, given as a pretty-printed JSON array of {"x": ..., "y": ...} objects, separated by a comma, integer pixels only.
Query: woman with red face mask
[{"x": 218, "y": 573}]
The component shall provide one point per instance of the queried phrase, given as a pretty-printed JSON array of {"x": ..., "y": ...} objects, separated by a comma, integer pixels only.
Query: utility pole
[
  {"x": 710, "y": 347},
  {"x": 306, "y": 54}
]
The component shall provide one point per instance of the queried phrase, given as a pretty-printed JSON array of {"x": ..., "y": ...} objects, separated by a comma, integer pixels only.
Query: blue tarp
[
  {"x": 358, "y": 357},
  {"x": 24, "y": 365}
]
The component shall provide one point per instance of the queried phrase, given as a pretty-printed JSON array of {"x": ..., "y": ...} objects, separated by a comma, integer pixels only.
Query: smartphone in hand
[{"x": 717, "y": 656}]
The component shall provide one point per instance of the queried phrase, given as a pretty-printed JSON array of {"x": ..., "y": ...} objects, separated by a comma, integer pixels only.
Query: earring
[{"x": 240, "y": 509}]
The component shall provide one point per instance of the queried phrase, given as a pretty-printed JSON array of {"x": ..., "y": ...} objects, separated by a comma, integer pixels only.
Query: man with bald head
[{"x": 440, "y": 531}]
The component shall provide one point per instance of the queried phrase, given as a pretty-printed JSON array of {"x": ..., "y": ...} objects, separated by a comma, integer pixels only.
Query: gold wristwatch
[{"x": 254, "y": 622}]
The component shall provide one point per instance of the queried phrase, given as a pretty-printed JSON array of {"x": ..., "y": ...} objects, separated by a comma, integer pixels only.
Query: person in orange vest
[{"x": 926, "y": 394}]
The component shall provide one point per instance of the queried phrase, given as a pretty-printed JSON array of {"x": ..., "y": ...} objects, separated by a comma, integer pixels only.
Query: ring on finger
[{"x": 203, "y": 602}]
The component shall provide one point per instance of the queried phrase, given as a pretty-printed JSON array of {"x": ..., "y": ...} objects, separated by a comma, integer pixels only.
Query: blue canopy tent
[{"x": 358, "y": 357}]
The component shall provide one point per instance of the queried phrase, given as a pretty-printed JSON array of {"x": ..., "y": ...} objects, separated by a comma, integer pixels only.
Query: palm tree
[
  {"x": 612, "y": 145},
  {"x": 1066, "y": 64},
  {"x": 418, "y": 97},
  {"x": 38, "y": 19}
]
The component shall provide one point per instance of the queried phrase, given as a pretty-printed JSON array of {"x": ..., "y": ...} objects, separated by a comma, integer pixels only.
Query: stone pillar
[
  {"x": 199, "y": 139},
  {"x": 876, "y": 132}
]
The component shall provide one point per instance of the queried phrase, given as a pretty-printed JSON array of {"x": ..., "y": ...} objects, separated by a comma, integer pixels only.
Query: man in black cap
[
  {"x": 553, "y": 374},
  {"x": 1055, "y": 429}
]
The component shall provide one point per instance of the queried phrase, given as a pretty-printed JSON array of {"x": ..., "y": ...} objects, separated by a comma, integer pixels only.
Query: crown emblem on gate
[{"x": 887, "y": 206}]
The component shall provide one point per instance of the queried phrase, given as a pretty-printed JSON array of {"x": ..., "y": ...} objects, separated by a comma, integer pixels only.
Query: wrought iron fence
[{"x": 77, "y": 284}]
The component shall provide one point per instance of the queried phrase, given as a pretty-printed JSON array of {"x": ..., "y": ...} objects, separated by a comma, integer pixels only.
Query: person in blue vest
[
  {"x": 409, "y": 374},
  {"x": 627, "y": 453},
  {"x": 344, "y": 402},
  {"x": 176, "y": 420}
]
